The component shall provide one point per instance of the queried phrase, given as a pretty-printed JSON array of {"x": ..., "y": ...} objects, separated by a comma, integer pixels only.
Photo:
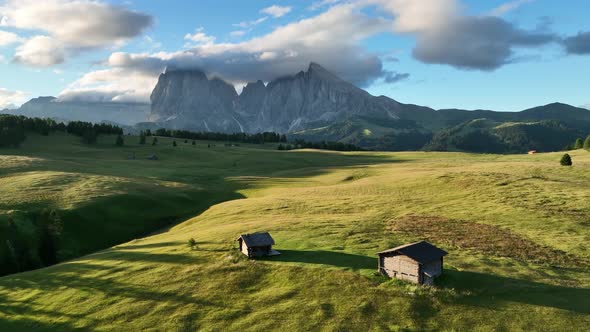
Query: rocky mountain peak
[{"x": 309, "y": 98}]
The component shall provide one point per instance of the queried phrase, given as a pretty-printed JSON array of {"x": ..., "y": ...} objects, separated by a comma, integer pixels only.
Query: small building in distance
[
  {"x": 257, "y": 245},
  {"x": 418, "y": 262}
]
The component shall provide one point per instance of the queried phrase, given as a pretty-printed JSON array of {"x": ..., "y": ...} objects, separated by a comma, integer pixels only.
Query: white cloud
[
  {"x": 40, "y": 51},
  {"x": 248, "y": 24},
  {"x": 200, "y": 37},
  {"x": 76, "y": 24},
  {"x": 238, "y": 33},
  {"x": 276, "y": 11},
  {"x": 412, "y": 16},
  {"x": 444, "y": 35},
  {"x": 508, "y": 7},
  {"x": 7, "y": 38},
  {"x": 320, "y": 4},
  {"x": 8, "y": 98},
  {"x": 334, "y": 39}
]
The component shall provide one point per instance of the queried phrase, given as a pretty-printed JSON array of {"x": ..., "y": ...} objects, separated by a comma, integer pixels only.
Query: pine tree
[
  {"x": 579, "y": 144},
  {"x": 281, "y": 147},
  {"x": 587, "y": 143},
  {"x": 566, "y": 160},
  {"x": 120, "y": 140}
]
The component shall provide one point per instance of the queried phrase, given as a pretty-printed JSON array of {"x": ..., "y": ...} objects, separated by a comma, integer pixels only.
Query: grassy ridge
[{"x": 507, "y": 221}]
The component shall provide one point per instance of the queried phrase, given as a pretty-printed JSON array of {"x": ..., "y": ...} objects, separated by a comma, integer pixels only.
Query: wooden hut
[
  {"x": 257, "y": 245},
  {"x": 418, "y": 262}
]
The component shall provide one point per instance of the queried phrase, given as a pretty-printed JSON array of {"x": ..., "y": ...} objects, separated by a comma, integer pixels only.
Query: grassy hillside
[
  {"x": 516, "y": 228},
  {"x": 104, "y": 198}
]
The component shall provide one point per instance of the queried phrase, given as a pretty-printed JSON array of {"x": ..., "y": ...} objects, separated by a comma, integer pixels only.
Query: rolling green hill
[
  {"x": 544, "y": 128},
  {"x": 489, "y": 136},
  {"x": 516, "y": 228}
]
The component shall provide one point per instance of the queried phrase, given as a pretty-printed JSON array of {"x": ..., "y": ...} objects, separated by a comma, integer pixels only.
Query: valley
[{"x": 515, "y": 227}]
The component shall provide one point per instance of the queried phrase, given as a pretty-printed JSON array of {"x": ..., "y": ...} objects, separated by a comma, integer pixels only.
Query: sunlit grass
[{"x": 329, "y": 214}]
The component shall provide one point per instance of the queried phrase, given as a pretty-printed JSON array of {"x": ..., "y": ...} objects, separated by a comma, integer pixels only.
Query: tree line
[
  {"x": 333, "y": 146},
  {"x": 13, "y": 129},
  {"x": 259, "y": 138},
  {"x": 580, "y": 144}
]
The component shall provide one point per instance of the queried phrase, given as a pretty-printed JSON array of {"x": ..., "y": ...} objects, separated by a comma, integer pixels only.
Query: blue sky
[{"x": 501, "y": 55}]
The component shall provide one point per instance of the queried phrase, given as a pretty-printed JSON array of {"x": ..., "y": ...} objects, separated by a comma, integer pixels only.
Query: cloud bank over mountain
[{"x": 333, "y": 32}]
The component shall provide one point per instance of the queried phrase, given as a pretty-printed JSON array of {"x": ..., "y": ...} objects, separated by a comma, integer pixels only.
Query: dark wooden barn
[
  {"x": 257, "y": 245},
  {"x": 419, "y": 262}
]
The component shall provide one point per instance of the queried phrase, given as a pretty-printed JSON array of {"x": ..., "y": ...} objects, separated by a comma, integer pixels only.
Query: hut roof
[
  {"x": 422, "y": 252},
  {"x": 257, "y": 239}
]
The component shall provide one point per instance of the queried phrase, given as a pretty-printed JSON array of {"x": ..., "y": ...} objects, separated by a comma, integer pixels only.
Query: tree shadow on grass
[
  {"x": 321, "y": 257},
  {"x": 486, "y": 290}
]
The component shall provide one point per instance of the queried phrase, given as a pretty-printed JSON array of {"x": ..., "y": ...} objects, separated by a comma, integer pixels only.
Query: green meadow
[{"x": 517, "y": 229}]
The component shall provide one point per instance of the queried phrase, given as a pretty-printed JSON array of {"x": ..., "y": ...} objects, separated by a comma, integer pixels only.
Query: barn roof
[
  {"x": 257, "y": 239},
  {"x": 422, "y": 252}
]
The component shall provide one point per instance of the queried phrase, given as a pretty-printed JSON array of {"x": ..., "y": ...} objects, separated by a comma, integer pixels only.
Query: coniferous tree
[
  {"x": 194, "y": 143},
  {"x": 587, "y": 143},
  {"x": 120, "y": 141},
  {"x": 579, "y": 144},
  {"x": 174, "y": 143},
  {"x": 154, "y": 141},
  {"x": 142, "y": 138},
  {"x": 566, "y": 160},
  {"x": 281, "y": 147}
]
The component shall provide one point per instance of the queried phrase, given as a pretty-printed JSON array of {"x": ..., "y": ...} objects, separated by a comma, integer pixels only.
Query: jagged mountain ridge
[{"x": 312, "y": 98}]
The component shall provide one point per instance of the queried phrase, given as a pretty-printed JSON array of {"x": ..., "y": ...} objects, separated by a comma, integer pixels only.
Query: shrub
[
  {"x": 566, "y": 160},
  {"x": 579, "y": 144},
  {"x": 587, "y": 143},
  {"x": 174, "y": 143},
  {"x": 155, "y": 141},
  {"x": 192, "y": 243}
]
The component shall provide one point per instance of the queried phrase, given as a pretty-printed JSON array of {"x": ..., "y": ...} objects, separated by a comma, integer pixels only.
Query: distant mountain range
[
  {"x": 317, "y": 105},
  {"x": 127, "y": 114}
]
